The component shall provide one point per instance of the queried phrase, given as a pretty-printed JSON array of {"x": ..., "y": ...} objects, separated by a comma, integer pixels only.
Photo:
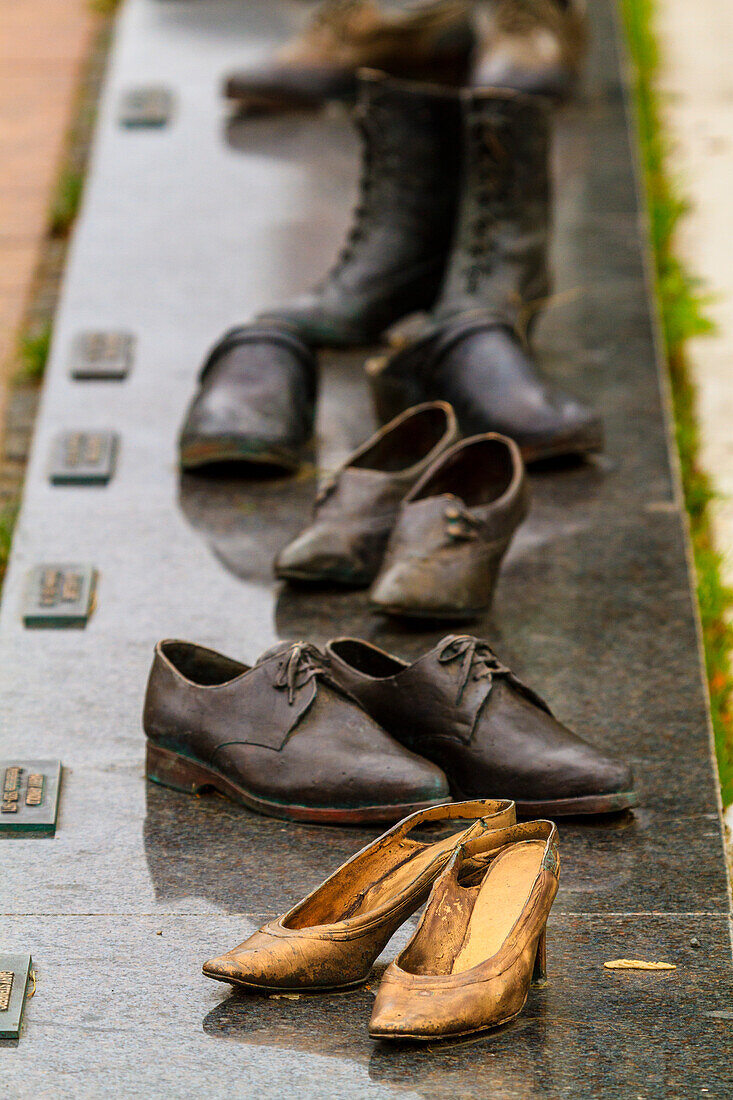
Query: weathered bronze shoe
[
  {"x": 393, "y": 260},
  {"x": 332, "y": 937},
  {"x": 473, "y": 350},
  {"x": 255, "y": 403},
  {"x": 460, "y": 707},
  {"x": 433, "y": 42},
  {"x": 356, "y": 509},
  {"x": 535, "y": 46},
  {"x": 478, "y": 947},
  {"x": 282, "y": 738},
  {"x": 452, "y": 532}
]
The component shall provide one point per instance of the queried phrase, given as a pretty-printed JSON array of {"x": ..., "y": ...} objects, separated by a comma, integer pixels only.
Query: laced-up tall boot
[
  {"x": 473, "y": 352},
  {"x": 393, "y": 261}
]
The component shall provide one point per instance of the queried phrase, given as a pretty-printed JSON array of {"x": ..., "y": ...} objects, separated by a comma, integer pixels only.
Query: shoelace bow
[
  {"x": 477, "y": 661},
  {"x": 299, "y": 666}
]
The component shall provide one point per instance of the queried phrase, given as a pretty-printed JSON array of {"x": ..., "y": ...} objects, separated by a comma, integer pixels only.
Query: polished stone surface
[{"x": 185, "y": 231}]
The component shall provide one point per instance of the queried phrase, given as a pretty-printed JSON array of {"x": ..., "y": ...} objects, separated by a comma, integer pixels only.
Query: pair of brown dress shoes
[
  {"x": 477, "y": 948},
  {"x": 424, "y": 519},
  {"x": 354, "y": 735}
]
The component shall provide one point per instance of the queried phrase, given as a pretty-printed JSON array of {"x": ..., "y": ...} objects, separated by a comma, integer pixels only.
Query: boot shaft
[
  {"x": 499, "y": 256},
  {"x": 411, "y": 163}
]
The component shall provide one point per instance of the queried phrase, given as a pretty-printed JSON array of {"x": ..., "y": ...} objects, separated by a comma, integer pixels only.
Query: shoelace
[
  {"x": 299, "y": 666},
  {"x": 489, "y": 175},
  {"x": 477, "y": 660}
]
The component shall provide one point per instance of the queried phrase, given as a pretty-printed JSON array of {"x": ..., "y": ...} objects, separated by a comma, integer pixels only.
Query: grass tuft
[
  {"x": 682, "y": 306},
  {"x": 33, "y": 354},
  {"x": 66, "y": 201},
  {"x": 8, "y": 516}
]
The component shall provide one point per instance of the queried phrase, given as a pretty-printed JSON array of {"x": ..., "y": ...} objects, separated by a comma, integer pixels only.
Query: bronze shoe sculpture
[
  {"x": 473, "y": 350},
  {"x": 431, "y": 42},
  {"x": 393, "y": 260},
  {"x": 356, "y": 509},
  {"x": 331, "y": 938},
  {"x": 533, "y": 46},
  {"x": 282, "y": 738},
  {"x": 452, "y": 532},
  {"x": 478, "y": 947},
  {"x": 255, "y": 403},
  {"x": 460, "y": 707}
]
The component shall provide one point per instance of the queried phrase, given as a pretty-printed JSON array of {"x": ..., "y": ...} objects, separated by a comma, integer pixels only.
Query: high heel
[
  {"x": 480, "y": 943},
  {"x": 539, "y": 973},
  {"x": 332, "y": 937}
]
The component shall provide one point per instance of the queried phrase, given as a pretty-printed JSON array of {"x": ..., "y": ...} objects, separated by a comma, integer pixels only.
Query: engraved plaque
[
  {"x": 102, "y": 356},
  {"x": 29, "y": 793},
  {"x": 83, "y": 458},
  {"x": 143, "y": 107},
  {"x": 14, "y": 974},
  {"x": 60, "y": 595}
]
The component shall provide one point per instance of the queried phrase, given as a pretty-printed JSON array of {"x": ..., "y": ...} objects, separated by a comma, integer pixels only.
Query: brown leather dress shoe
[
  {"x": 356, "y": 509},
  {"x": 282, "y": 738},
  {"x": 478, "y": 947},
  {"x": 460, "y": 707},
  {"x": 433, "y": 42},
  {"x": 452, "y": 532},
  {"x": 332, "y": 937}
]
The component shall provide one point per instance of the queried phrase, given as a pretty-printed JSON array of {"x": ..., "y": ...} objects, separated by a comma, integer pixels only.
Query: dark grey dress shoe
[
  {"x": 255, "y": 403},
  {"x": 452, "y": 532},
  {"x": 460, "y": 707},
  {"x": 282, "y": 738},
  {"x": 356, "y": 509}
]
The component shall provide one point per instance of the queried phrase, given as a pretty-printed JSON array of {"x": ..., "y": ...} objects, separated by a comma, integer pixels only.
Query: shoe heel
[
  {"x": 390, "y": 395},
  {"x": 539, "y": 973},
  {"x": 171, "y": 770}
]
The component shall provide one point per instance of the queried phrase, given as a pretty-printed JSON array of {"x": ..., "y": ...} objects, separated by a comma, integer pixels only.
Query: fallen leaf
[{"x": 637, "y": 964}]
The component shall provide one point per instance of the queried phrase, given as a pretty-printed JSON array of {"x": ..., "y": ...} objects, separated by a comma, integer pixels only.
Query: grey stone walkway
[{"x": 183, "y": 232}]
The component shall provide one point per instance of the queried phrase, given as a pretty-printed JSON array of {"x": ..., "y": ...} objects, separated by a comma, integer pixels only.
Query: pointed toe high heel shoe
[
  {"x": 331, "y": 938},
  {"x": 480, "y": 943}
]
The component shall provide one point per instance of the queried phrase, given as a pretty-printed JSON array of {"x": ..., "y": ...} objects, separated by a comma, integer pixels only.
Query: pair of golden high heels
[{"x": 479, "y": 944}]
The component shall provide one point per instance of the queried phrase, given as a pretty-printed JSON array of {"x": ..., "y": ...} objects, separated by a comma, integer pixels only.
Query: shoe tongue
[{"x": 282, "y": 648}]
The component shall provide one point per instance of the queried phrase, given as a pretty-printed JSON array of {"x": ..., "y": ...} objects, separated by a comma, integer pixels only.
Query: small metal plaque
[
  {"x": 60, "y": 595},
  {"x": 102, "y": 356},
  {"x": 29, "y": 792},
  {"x": 15, "y": 971},
  {"x": 143, "y": 107},
  {"x": 83, "y": 458}
]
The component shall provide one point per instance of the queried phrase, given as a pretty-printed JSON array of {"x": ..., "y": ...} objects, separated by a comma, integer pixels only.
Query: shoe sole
[
  {"x": 253, "y": 988},
  {"x": 169, "y": 769},
  {"x": 304, "y": 578},
  {"x": 581, "y": 806},
  {"x": 419, "y": 1037},
  {"x": 225, "y": 452},
  {"x": 427, "y": 616}
]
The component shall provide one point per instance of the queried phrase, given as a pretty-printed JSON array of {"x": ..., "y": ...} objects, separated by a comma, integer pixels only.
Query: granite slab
[{"x": 184, "y": 231}]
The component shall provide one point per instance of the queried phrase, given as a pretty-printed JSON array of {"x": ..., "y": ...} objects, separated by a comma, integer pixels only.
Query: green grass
[
  {"x": 7, "y": 523},
  {"x": 33, "y": 351},
  {"x": 682, "y": 307},
  {"x": 66, "y": 200}
]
